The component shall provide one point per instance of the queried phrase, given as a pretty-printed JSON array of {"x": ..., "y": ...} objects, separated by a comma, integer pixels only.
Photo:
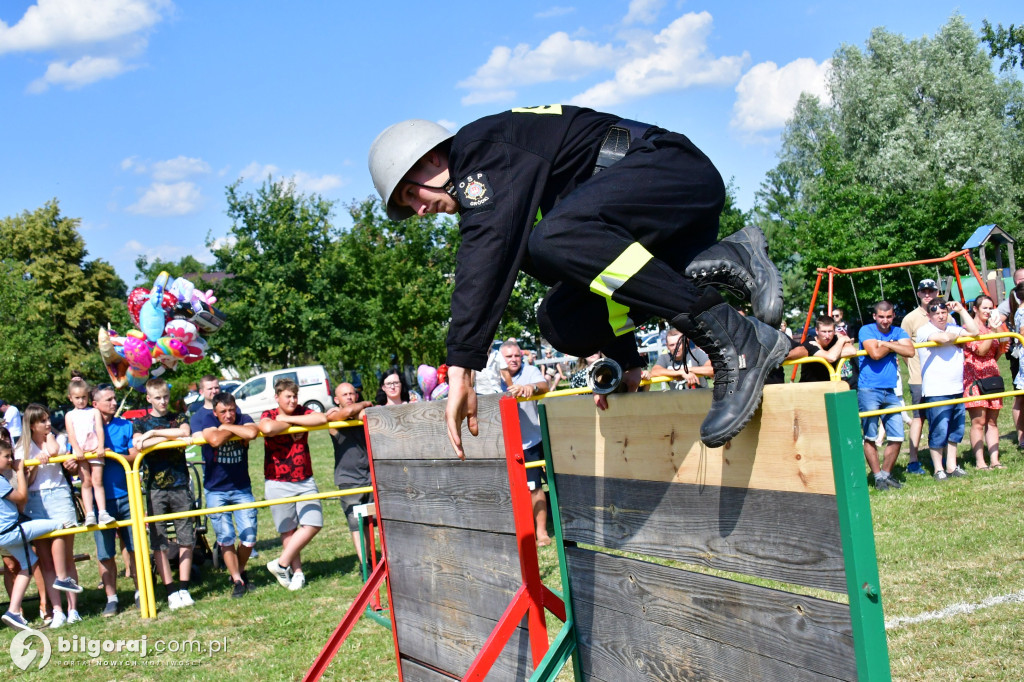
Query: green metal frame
[
  {"x": 858, "y": 536},
  {"x": 565, "y": 641},
  {"x": 364, "y": 564},
  {"x": 858, "y": 540}
]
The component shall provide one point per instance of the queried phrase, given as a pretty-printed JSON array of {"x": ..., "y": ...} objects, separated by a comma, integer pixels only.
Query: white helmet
[{"x": 396, "y": 151}]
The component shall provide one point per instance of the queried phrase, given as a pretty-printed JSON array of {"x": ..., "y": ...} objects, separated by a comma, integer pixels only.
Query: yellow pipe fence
[{"x": 143, "y": 564}]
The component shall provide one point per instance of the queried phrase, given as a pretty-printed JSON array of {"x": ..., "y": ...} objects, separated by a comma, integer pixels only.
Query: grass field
[{"x": 939, "y": 544}]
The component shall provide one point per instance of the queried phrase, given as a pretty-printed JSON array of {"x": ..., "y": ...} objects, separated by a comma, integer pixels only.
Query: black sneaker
[
  {"x": 743, "y": 351},
  {"x": 239, "y": 590},
  {"x": 882, "y": 484},
  {"x": 248, "y": 585},
  {"x": 110, "y": 609},
  {"x": 893, "y": 483},
  {"x": 740, "y": 264}
]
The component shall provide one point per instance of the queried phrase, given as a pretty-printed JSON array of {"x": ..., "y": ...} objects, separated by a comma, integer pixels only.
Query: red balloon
[{"x": 136, "y": 299}]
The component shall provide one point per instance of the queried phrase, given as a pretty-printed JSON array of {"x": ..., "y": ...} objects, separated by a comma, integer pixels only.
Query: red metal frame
[
  {"x": 355, "y": 611},
  {"x": 367, "y": 595},
  {"x": 532, "y": 595},
  {"x": 530, "y": 599}
]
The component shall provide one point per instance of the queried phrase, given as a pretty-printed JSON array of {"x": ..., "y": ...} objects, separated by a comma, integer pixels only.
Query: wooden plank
[
  {"x": 459, "y": 569},
  {"x": 655, "y": 437},
  {"x": 418, "y": 431},
  {"x": 790, "y": 537},
  {"x": 448, "y": 492},
  {"x": 614, "y": 647},
  {"x": 450, "y": 640},
  {"x": 716, "y": 614},
  {"x": 414, "y": 672}
]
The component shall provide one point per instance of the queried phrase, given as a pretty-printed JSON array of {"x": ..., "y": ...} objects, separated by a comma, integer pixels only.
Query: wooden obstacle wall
[
  {"x": 636, "y": 478},
  {"x": 453, "y": 560}
]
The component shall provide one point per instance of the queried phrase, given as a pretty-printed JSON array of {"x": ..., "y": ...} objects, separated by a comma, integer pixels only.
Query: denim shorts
[
  {"x": 945, "y": 423},
  {"x": 13, "y": 543},
  {"x": 52, "y": 503},
  {"x": 106, "y": 540},
  {"x": 244, "y": 519},
  {"x": 869, "y": 399}
]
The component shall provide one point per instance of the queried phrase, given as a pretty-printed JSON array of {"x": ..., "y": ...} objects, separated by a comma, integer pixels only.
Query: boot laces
[{"x": 724, "y": 375}]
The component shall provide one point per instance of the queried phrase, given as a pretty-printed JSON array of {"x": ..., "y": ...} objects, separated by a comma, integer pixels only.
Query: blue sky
[{"x": 135, "y": 114}]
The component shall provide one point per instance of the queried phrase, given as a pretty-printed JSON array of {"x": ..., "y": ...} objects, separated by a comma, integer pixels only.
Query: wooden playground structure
[{"x": 664, "y": 545}]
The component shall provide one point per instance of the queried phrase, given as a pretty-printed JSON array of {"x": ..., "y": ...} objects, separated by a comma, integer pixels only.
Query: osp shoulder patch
[{"x": 475, "y": 191}]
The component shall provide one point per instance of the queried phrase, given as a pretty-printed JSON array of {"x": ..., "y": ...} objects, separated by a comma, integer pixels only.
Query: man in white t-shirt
[
  {"x": 927, "y": 290},
  {"x": 524, "y": 381},
  {"x": 11, "y": 419},
  {"x": 942, "y": 378}
]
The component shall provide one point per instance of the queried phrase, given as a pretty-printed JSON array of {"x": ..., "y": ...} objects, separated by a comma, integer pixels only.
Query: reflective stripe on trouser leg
[{"x": 614, "y": 276}]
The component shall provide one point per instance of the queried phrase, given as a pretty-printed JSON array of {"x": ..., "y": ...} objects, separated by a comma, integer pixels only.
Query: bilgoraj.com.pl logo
[
  {"x": 31, "y": 648},
  {"x": 24, "y": 652}
]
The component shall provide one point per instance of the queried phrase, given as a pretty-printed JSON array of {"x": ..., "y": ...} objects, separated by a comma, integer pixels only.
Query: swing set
[{"x": 831, "y": 271}]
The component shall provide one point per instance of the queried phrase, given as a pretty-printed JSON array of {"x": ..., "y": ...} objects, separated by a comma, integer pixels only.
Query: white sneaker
[
  {"x": 297, "y": 582},
  {"x": 73, "y": 617},
  {"x": 186, "y": 598},
  {"x": 283, "y": 575},
  {"x": 104, "y": 518},
  {"x": 90, "y": 519},
  {"x": 174, "y": 600},
  {"x": 59, "y": 619}
]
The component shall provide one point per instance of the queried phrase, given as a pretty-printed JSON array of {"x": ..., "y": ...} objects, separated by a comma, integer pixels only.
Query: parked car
[{"x": 256, "y": 394}]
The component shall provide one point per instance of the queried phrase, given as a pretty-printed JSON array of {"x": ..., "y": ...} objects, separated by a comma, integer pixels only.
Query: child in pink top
[{"x": 85, "y": 435}]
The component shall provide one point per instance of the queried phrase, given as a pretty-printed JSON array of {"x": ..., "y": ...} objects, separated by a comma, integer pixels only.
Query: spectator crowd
[{"x": 951, "y": 380}]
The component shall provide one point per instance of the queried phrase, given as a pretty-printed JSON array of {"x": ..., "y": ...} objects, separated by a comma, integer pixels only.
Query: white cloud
[
  {"x": 95, "y": 38},
  {"x": 306, "y": 183},
  {"x": 643, "y": 12},
  {"x": 132, "y": 163},
  {"x": 179, "y": 168},
  {"x": 221, "y": 242},
  {"x": 84, "y": 71},
  {"x": 57, "y": 24},
  {"x": 168, "y": 199},
  {"x": 552, "y": 12},
  {"x": 643, "y": 62},
  {"x": 166, "y": 252},
  {"x": 766, "y": 94},
  {"x": 556, "y": 58},
  {"x": 258, "y": 172},
  {"x": 450, "y": 125},
  {"x": 674, "y": 59}
]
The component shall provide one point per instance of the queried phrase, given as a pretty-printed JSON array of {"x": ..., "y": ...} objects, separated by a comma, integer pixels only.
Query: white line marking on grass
[{"x": 954, "y": 610}]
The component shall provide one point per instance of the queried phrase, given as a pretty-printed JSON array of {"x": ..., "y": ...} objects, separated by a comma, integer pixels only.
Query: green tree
[
  {"x": 146, "y": 271},
  {"x": 31, "y": 363},
  {"x": 282, "y": 260},
  {"x": 919, "y": 145},
  {"x": 1004, "y": 43},
  {"x": 394, "y": 282},
  {"x": 71, "y": 296}
]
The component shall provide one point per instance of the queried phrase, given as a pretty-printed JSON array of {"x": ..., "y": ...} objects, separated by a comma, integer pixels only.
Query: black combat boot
[
  {"x": 743, "y": 351},
  {"x": 739, "y": 263}
]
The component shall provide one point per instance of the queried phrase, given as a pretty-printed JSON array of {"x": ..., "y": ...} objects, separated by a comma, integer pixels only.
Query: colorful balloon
[
  {"x": 426, "y": 377},
  {"x": 169, "y": 318}
]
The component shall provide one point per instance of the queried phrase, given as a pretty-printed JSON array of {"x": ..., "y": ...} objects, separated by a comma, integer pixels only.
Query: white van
[{"x": 257, "y": 394}]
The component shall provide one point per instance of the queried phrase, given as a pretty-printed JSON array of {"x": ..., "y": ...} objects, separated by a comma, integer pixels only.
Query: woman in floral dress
[{"x": 980, "y": 362}]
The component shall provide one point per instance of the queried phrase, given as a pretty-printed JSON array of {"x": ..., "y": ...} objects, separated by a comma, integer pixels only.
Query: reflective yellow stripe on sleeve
[{"x": 614, "y": 276}]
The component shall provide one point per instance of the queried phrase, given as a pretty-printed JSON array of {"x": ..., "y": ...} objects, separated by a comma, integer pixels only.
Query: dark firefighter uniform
[{"x": 611, "y": 246}]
